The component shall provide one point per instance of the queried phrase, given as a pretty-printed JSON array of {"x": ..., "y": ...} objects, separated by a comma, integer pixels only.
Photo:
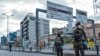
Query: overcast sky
[{"x": 19, "y": 8}]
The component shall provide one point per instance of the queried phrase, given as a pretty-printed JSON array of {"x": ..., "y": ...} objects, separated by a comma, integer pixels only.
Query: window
[
  {"x": 32, "y": 18},
  {"x": 98, "y": 34}
]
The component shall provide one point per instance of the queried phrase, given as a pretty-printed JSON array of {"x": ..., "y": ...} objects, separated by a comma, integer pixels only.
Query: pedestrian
[
  {"x": 79, "y": 37},
  {"x": 30, "y": 46},
  {"x": 59, "y": 45},
  {"x": 53, "y": 49},
  {"x": 10, "y": 47},
  {"x": 40, "y": 45}
]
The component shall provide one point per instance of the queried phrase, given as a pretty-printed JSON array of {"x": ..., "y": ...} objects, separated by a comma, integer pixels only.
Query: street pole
[
  {"x": 94, "y": 7},
  {"x": 37, "y": 33},
  {"x": 7, "y": 31},
  {"x": 94, "y": 31},
  {"x": 37, "y": 27},
  {"x": 7, "y": 28}
]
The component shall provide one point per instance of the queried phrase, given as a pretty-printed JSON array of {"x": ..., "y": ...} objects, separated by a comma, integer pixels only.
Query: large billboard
[
  {"x": 59, "y": 12},
  {"x": 81, "y": 16}
]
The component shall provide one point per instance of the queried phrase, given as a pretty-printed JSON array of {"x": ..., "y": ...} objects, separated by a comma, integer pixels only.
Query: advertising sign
[
  {"x": 59, "y": 12},
  {"x": 81, "y": 16}
]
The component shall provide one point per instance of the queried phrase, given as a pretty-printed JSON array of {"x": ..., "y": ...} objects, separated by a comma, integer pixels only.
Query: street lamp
[{"x": 7, "y": 24}]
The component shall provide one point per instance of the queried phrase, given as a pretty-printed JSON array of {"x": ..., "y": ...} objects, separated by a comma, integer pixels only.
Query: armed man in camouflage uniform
[{"x": 79, "y": 36}]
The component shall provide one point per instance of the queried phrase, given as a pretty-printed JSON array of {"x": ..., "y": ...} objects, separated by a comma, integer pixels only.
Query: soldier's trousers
[
  {"x": 59, "y": 51},
  {"x": 79, "y": 50}
]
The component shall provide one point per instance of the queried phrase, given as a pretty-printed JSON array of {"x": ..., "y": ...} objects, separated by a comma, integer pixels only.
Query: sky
[{"x": 19, "y": 9}]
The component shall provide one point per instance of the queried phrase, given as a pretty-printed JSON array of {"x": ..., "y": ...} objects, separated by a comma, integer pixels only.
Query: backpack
[
  {"x": 59, "y": 41},
  {"x": 78, "y": 34}
]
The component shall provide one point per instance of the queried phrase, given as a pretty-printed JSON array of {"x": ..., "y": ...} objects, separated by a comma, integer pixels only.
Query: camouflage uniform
[
  {"x": 78, "y": 46},
  {"x": 58, "y": 45}
]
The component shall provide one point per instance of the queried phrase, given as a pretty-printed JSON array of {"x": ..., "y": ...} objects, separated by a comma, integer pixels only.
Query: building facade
[
  {"x": 56, "y": 30},
  {"x": 64, "y": 31},
  {"x": 28, "y": 29},
  {"x": 89, "y": 30},
  {"x": 3, "y": 40}
]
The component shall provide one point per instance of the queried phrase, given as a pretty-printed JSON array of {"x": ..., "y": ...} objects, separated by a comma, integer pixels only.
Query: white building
[{"x": 28, "y": 29}]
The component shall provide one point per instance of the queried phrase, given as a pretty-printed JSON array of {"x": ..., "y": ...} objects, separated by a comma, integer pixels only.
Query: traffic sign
[
  {"x": 81, "y": 16},
  {"x": 59, "y": 12}
]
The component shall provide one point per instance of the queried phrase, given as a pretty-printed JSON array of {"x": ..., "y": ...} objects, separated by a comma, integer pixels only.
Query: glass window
[{"x": 98, "y": 34}]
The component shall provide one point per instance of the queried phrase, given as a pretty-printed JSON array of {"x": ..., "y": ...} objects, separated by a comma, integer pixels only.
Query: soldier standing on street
[
  {"x": 10, "y": 46},
  {"x": 79, "y": 37},
  {"x": 59, "y": 45}
]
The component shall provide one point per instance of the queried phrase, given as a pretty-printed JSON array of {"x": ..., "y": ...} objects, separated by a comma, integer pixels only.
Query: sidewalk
[
  {"x": 70, "y": 52},
  {"x": 50, "y": 51}
]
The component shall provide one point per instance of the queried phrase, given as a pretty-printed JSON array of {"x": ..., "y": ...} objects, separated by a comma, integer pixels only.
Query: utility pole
[{"x": 7, "y": 26}]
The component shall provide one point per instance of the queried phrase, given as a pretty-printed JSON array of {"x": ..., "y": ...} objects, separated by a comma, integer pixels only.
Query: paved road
[
  {"x": 7, "y": 53},
  {"x": 13, "y": 53}
]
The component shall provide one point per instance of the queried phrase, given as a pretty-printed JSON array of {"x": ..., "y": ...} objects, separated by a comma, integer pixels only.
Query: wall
[{"x": 32, "y": 30}]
